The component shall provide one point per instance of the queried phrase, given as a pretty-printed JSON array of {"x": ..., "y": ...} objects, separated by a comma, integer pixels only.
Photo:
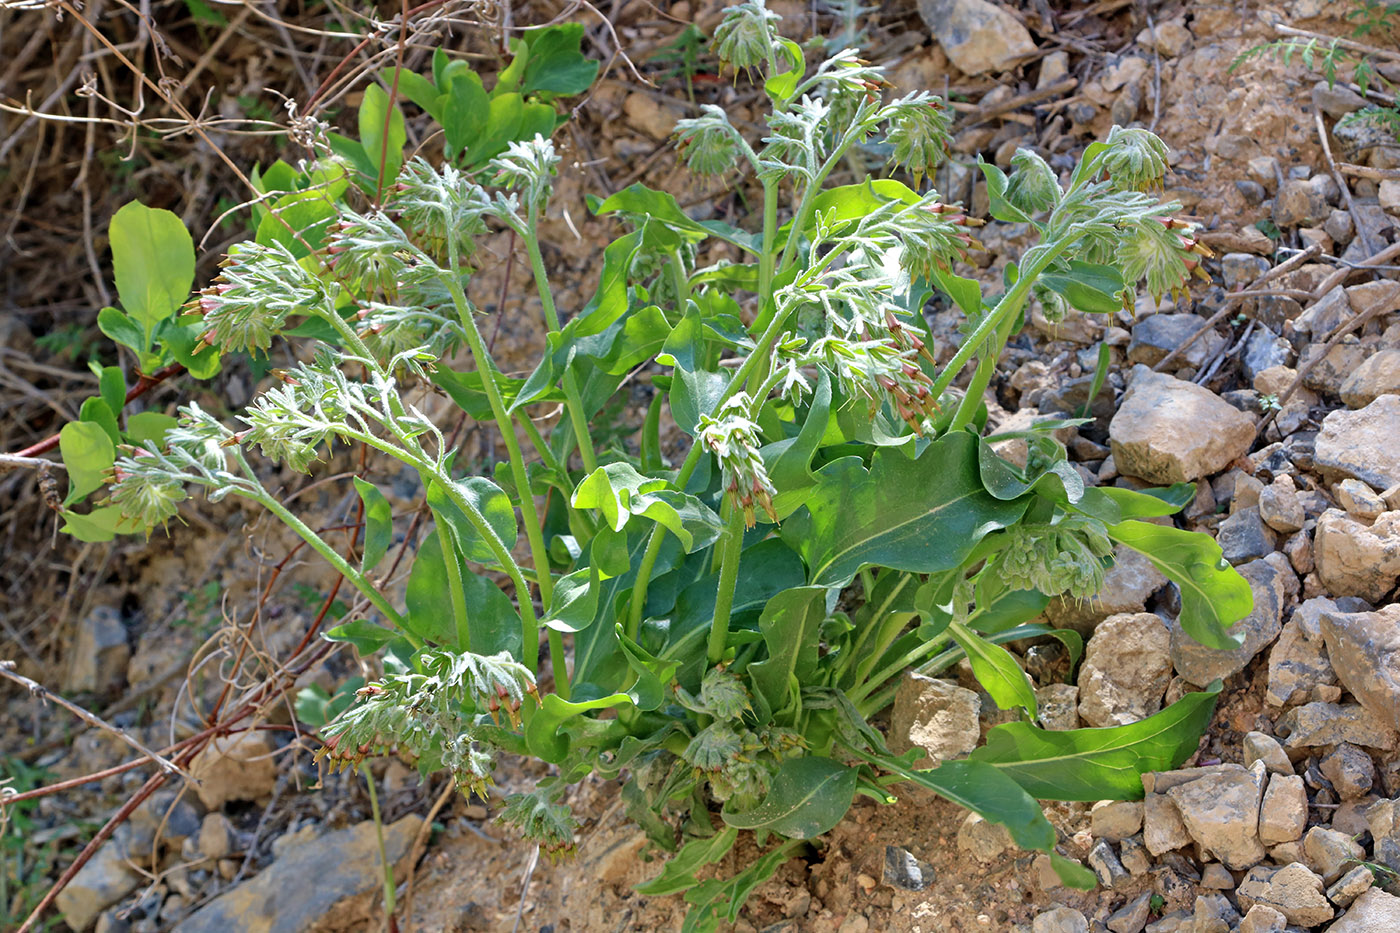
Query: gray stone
[
  {"x": 1244, "y": 537},
  {"x": 1322, "y": 318},
  {"x": 903, "y": 870},
  {"x": 1330, "y": 853},
  {"x": 1167, "y": 430},
  {"x": 1200, "y": 664},
  {"x": 1106, "y": 867},
  {"x": 1127, "y": 586},
  {"x": 1357, "y": 558},
  {"x": 1298, "y": 661},
  {"x": 1336, "y": 100},
  {"x": 1350, "y": 886},
  {"x": 1340, "y": 227},
  {"x": 983, "y": 840},
  {"x": 1374, "y": 912},
  {"x": 1240, "y": 269},
  {"x": 1058, "y": 706},
  {"x": 1280, "y": 507},
  {"x": 103, "y": 881},
  {"x": 1115, "y": 820},
  {"x": 1350, "y": 770},
  {"x": 1214, "y": 914},
  {"x": 935, "y": 715},
  {"x": 235, "y": 767},
  {"x": 1284, "y": 813},
  {"x": 1378, "y": 374},
  {"x": 1359, "y": 500},
  {"x": 1301, "y": 204},
  {"x": 1127, "y": 666},
  {"x": 1156, "y": 336},
  {"x": 1264, "y": 350},
  {"x": 1383, "y": 820},
  {"x": 1132, "y": 916},
  {"x": 976, "y": 35},
  {"x": 1263, "y": 919},
  {"x": 308, "y": 879},
  {"x": 1292, "y": 890},
  {"x": 216, "y": 837},
  {"x": 1360, "y": 444},
  {"x": 1221, "y": 812},
  {"x": 1315, "y": 724},
  {"x": 1364, "y": 648},
  {"x": 1265, "y": 748},
  {"x": 1060, "y": 920},
  {"x": 1162, "y": 828},
  {"x": 99, "y": 653}
]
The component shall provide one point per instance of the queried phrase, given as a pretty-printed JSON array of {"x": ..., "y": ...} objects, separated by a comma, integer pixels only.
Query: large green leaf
[
  {"x": 381, "y": 132},
  {"x": 575, "y": 602},
  {"x": 921, "y": 515},
  {"x": 996, "y": 670},
  {"x": 618, "y": 491},
  {"x": 789, "y": 461},
  {"x": 379, "y": 529},
  {"x": 88, "y": 453},
  {"x": 808, "y": 796},
  {"x": 678, "y": 874},
  {"x": 465, "y": 111},
  {"x": 1213, "y": 594},
  {"x": 493, "y": 504},
  {"x": 153, "y": 260},
  {"x": 555, "y": 65},
  {"x": 1098, "y": 764},
  {"x": 789, "y": 624},
  {"x": 663, "y": 207}
]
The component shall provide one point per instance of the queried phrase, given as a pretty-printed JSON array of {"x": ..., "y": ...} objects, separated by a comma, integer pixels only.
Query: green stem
[
  {"x": 454, "y": 585},
  {"x": 732, "y": 547},
  {"x": 879, "y": 613},
  {"x": 573, "y": 401},
  {"x": 386, "y": 870},
  {"x": 559, "y": 664}
]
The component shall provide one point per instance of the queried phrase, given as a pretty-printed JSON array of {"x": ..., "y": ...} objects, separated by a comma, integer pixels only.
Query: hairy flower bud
[
  {"x": 262, "y": 286},
  {"x": 146, "y": 493},
  {"x": 1136, "y": 160},
  {"x": 529, "y": 166},
  {"x": 708, "y": 142},
  {"x": 733, "y": 438},
  {"x": 744, "y": 38},
  {"x": 919, "y": 133},
  {"x": 1033, "y": 186}
]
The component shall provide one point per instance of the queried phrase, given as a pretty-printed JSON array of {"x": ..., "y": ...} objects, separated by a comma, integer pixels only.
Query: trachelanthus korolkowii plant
[{"x": 719, "y": 630}]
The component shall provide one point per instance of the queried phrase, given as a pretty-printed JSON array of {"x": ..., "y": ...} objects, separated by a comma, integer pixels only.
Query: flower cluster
[
  {"x": 744, "y": 38},
  {"x": 528, "y": 166},
  {"x": 709, "y": 144},
  {"x": 258, "y": 289},
  {"x": 1032, "y": 187},
  {"x": 934, "y": 236},
  {"x": 443, "y": 205},
  {"x": 1164, "y": 252},
  {"x": 733, "y": 439},
  {"x": 541, "y": 818},
  {"x": 919, "y": 130},
  {"x": 1067, "y": 557},
  {"x": 1135, "y": 159}
]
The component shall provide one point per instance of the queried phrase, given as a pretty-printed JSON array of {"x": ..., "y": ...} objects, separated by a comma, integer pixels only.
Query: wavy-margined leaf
[
  {"x": 996, "y": 670},
  {"x": 789, "y": 624},
  {"x": 555, "y": 65},
  {"x": 678, "y": 874},
  {"x": 544, "y": 733},
  {"x": 808, "y": 796},
  {"x": 715, "y": 898},
  {"x": 921, "y": 515},
  {"x": 1098, "y": 764},
  {"x": 618, "y": 491},
  {"x": 1088, "y": 287},
  {"x": 1213, "y": 594}
]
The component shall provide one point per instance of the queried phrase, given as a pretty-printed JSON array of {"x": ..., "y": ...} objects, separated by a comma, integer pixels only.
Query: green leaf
[
  {"x": 153, "y": 259},
  {"x": 715, "y": 898},
  {"x": 95, "y": 411},
  {"x": 88, "y": 454},
  {"x": 966, "y": 293},
  {"x": 1091, "y": 288},
  {"x": 678, "y": 874},
  {"x": 1098, "y": 764},
  {"x": 298, "y": 221},
  {"x": 181, "y": 339},
  {"x": 1213, "y": 594},
  {"x": 663, "y": 208},
  {"x": 575, "y": 602},
  {"x": 921, "y": 515},
  {"x": 789, "y": 461},
  {"x": 112, "y": 387},
  {"x": 428, "y": 599},
  {"x": 808, "y": 796},
  {"x": 121, "y": 329},
  {"x": 789, "y": 624},
  {"x": 379, "y": 526},
  {"x": 416, "y": 88},
  {"x": 998, "y": 206},
  {"x": 493, "y": 504},
  {"x": 555, "y": 65},
  {"x": 544, "y": 732},
  {"x": 618, "y": 491},
  {"x": 465, "y": 112},
  {"x": 367, "y": 637},
  {"x": 504, "y": 115},
  {"x": 381, "y": 132},
  {"x": 99, "y": 525},
  {"x": 996, "y": 670},
  {"x": 149, "y": 427}
]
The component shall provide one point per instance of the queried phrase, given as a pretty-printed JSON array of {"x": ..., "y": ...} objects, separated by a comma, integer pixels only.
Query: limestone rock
[
  {"x": 1315, "y": 724},
  {"x": 1355, "y": 558},
  {"x": 1265, "y": 748},
  {"x": 1221, "y": 811},
  {"x": 1378, "y": 375},
  {"x": 1350, "y": 886},
  {"x": 1156, "y": 336},
  {"x": 1115, "y": 820},
  {"x": 935, "y": 715},
  {"x": 906, "y": 871},
  {"x": 1127, "y": 586},
  {"x": 98, "y": 654},
  {"x": 1200, "y": 664},
  {"x": 1162, "y": 828},
  {"x": 1350, "y": 770},
  {"x": 1280, "y": 507},
  {"x": 1330, "y": 853},
  {"x": 1292, "y": 890},
  {"x": 306, "y": 881},
  {"x": 1359, "y": 500},
  {"x": 103, "y": 881},
  {"x": 1299, "y": 660},
  {"x": 1058, "y": 705},
  {"x": 1327, "y": 368},
  {"x": 1263, "y": 919},
  {"x": 235, "y": 767},
  {"x": 1284, "y": 813},
  {"x": 1132, "y": 916},
  {"x": 1168, "y": 431},
  {"x": 1365, "y": 651},
  {"x": 1244, "y": 536},
  {"x": 1360, "y": 444},
  {"x": 977, "y": 36},
  {"x": 1060, "y": 920},
  {"x": 1127, "y": 666},
  {"x": 983, "y": 840},
  {"x": 1374, "y": 912},
  {"x": 1383, "y": 820},
  {"x": 1301, "y": 203}
]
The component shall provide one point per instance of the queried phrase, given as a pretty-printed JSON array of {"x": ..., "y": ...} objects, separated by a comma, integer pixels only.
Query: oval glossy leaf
[
  {"x": 575, "y": 602},
  {"x": 367, "y": 637},
  {"x": 808, "y": 796},
  {"x": 153, "y": 259},
  {"x": 381, "y": 132},
  {"x": 149, "y": 427},
  {"x": 88, "y": 453},
  {"x": 493, "y": 504}
]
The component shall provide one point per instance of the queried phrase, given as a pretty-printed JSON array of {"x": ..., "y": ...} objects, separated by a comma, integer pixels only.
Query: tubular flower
[
  {"x": 708, "y": 142},
  {"x": 543, "y": 820},
  {"x": 733, "y": 439},
  {"x": 529, "y": 166},
  {"x": 919, "y": 132},
  {"x": 1163, "y": 252},
  {"x": 744, "y": 38},
  {"x": 934, "y": 237},
  {"x": 1136, "y": 160}
]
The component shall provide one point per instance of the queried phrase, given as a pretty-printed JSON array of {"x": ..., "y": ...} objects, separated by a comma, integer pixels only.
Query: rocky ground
[{"x": 1276, "y": 389}]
